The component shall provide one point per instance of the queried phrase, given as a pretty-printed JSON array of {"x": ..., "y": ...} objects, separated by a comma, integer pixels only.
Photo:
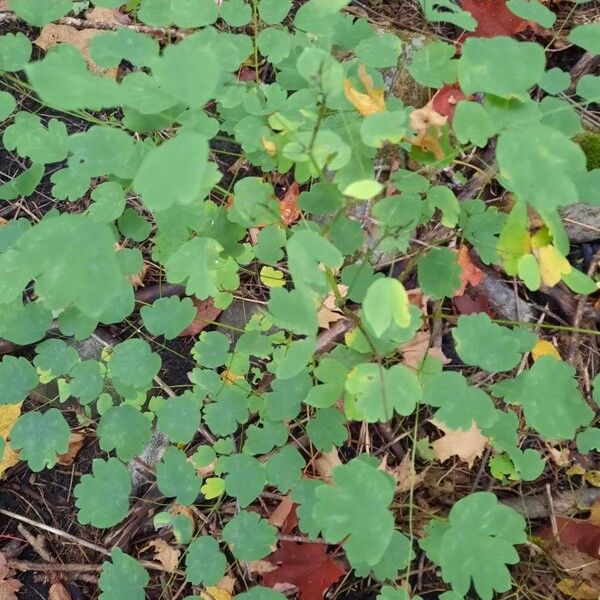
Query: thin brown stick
[{"x": 25, "y": 565}]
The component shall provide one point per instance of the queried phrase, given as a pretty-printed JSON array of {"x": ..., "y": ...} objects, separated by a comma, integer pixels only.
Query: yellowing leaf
[
  {"x": 271, "y": 277},
  {"x": 575, "y": 470},
  {"x": 552, "y": 265},
  {"x": 545, "y": 348},
  {"x": 269, "y": 146},
  {"x": 427, "y": 125},
  {"x": 213, "y": 488},
  {"x": 593, "y": 478},
  {"x": 467, "y": 445},
  {"x": 366, "y": 104},
  {"x": 9, "y": 413},
  {"x": 580, "y": 590},
  {"x": 215, "y": 593}
]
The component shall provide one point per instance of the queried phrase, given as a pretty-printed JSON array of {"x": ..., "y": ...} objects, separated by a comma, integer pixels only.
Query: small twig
[
  {"x": 551, "y": 512},
  {"x": 25, "y": 565},
  {"x": 36, "y": 542}
]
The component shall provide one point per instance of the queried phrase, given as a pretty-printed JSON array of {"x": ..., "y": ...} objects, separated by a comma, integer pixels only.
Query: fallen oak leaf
[
  {"x": 306, "y": 566},
  {"x": 366, "y": 104},
  {"x": 466, "y": 445}
]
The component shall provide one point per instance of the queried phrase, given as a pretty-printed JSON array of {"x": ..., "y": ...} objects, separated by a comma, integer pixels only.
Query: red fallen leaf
[
  {"x": 446, "y": 98},
  {"x": 470, "y": 273},
  {"x": 206, "y": 311},
  {"x": 578, "y": 533},
  {"x": 284, "y": 517},
  {"x": 471, "y": 302},
  {"x": 288, "y": 206},
  {"x": 494, "y": 18},
  {"x": 307, "y": 566}
]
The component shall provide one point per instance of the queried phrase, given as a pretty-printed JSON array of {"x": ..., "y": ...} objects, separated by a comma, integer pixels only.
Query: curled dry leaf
[
  {"x": 164, "y": 553},
  {"x": 9, "y": 413},
  {"x": 427, "y": 125},
  {"x": 58, "y": 591},
  {"x": 366, "y": 104},
  {"x": 470, "y": 274},
  {"x": 75, "y": 443},
  {"x": 206, "y": 312},
  {"x": 466, "y": 445},
  {"x": 326, "y": 462},
  {"x": 288, "y": 207},
  {"x": 8, "y": 585}
]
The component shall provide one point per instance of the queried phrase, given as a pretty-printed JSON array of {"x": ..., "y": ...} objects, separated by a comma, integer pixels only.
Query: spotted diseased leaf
[
  {"x": 307, "y": 566},
  {"x": 476, "y": 544}
]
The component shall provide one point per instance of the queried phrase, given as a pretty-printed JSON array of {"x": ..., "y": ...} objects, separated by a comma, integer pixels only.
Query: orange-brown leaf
[
  {"x": 288, "y": 207},
  {"x": 470, "y": 273},
  {"x": 206, "y": 312}
]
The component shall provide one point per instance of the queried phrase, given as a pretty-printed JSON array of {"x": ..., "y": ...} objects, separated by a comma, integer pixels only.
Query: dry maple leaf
[
  {"x": 288, "y": 207},
  {"x": 8, "y": 585},
  {"x": 366, "y": 104},
  {"x": 206, "y": 313},
  {"x": 467, "y": 445},
  {"x": 427, "y": 125},
  {"x": 445, "y": 100},
  {"x": 164, "y": 553},
  {"x": 306, "y": 566},
  {"x": 494, "y": 18},
  {"x": 470, "y": 273},
  {"x": 75, "y": 443}
]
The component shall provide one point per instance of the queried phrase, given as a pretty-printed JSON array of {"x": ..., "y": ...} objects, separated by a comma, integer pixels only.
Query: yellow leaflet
[
  {"x": 215, "y": 593},
  {"x": 366, "y": 104},
  {"x": 552, "y": 265},
  {"x": 9, "y": 413},
  {"x": 272, "y": 277},
  {"x": 545, "y": 348},
  {"x": 269, "y": 146}
]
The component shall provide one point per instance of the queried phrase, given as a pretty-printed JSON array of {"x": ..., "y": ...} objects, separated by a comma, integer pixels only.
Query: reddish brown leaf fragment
[
  {"x": 307, "y": 566},
  {"x": 445, "y": 100},
  {"x": 494, "y": 18},
  {"x": 288, "y": 207},
  {"x": 206, "y": 311}
]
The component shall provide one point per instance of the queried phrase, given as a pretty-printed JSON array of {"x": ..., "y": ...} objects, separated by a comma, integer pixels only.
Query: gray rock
[
  {"x": 236, "y": 315},
  {"x": 582, "y": 222}
]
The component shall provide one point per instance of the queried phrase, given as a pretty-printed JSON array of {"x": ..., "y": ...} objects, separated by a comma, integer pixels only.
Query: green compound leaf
[
  {"x": 41, "y": 13},
  {"x": 245, "y": 479},
  {"x": 176, "y": 477},
  {"x": 356, "y": 485},
  {"x": 17, "y": 379},
  {"x": 383, "y": 127},
  {"x": 182, "y": 13},
  {"x": 550, "y": 398},
  {"x": 482, "y": 343},
  {"x": 379, "y": 391},
  {"x": 500, "y": 66},
  {"x": 236, "y": 13},
  {"x": 15, "y": 51},
  {"x": 124, "y": 429},
  {"x": 397, "y": 557},
  {"x": 211, "y": 349},
  {"x": 173, "y": 173},
  {"x": 473, "y": 124},
  {"x": 109, "y": 479},
  {"x": 261, "y": 439},
  {"x": 284, "y": 468},
  {"x": 229, "y": 410},
  {"x": 293, "y": 310},
  {"x": 543, "y": 171},
  {"x": 586, "y": 36},
  {"x": 588, "y": 440},
  {"x": 532, "y": 10},
  {"x": 433, "y": 65},
  {"x": 459, "y": 404},
  {"x": 40, "y": 437},
  {"x": 179, "y": 418},
  {"x": 476, "y": 544},
  {"x": 389, "y": 593},
  {"x": 379, "y": 51},
  {"x": 109, "y": 48},
  {"x": 249, "y": 536},
  {"x": 555, "y": 80},
  {"x": 108, "y": 202},
  {"x": 182, "y": 525},
  {"x": 327, "y": 429},
  {"x": 438, "y": 273},
  {"x": 446, "y": 11},
  {"x": 168, "y": 316},
  {"x": 124, "y": 577},
  {"x": 133, "y": 365},
  {"x": 272, "y": 12},
  {"x": 386, "y": 302},
  {"x": 87, "y": 381},
  {"x": 55, "y": 357},
  {"x": 204, "y": 563},
  {"x": 261, "y": 593}
]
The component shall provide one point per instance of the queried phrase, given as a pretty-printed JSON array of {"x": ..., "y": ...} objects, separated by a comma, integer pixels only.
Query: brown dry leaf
[
  {"x": 580, "y": 590},
  {"x": 75, "y": 443},
  {"x": 8, "y": 586},
  {"x": 103, "y": 15},
  {"x": 414, "y": 352},
  {"x": 288, "y": 207},
  {"x": 4, "y": 5},
  {"x": 559, "y": 457},
  {"x": 261, "y": 567},
  {"x": 405, "y": 475},
  {"x": 206, "y": 311},
  {"x": 329, "y": 313},
  {"x": 58, "y": 591},
  {"x": 467, "y": 445},
  {"x": 165, "y": 554},
  {"x": 54, "y": 34},
  {"x": 366, "y": 104},
  {"x": 137, "y": 280},
  {"x": 470, "y": 273},
  {"x": 578, "y": 565},
  {"x": 427, "y": 125},
  {"x": 281, "y": 513},
  {"x": 9, "y": 413},
  {"x": 326, "y": 463}
]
